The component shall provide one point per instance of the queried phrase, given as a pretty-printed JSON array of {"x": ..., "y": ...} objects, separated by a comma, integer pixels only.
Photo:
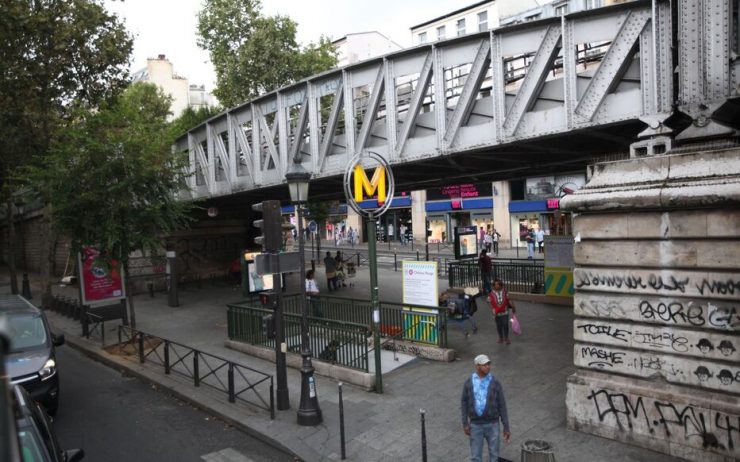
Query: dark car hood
[{"x": 25, "y": 362}]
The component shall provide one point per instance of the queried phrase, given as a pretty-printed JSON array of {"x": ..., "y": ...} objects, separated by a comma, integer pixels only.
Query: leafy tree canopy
[
  {"x": 254, "y": 54},
  {"x": 111, "y": 177},
  {"x": 190, "y": 117},
  {"x": 55, "y": 56}
]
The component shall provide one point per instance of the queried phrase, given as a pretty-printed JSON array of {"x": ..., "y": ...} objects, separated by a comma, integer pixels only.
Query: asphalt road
[{"x": 118, "y": 418}]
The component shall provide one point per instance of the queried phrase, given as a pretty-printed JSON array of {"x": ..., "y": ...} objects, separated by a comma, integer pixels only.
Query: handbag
[{"x": 515, "y": 326}]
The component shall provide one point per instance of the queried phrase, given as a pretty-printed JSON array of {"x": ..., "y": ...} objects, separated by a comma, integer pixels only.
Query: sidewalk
[{"x": 386, "y": 427}]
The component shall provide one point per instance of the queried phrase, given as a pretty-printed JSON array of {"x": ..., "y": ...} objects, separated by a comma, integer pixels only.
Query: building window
[
  {"x": 483, "y": 21},
  {"x": 591, "y": 4},
  {"x": 423, "y": 37},
  {"x": 561, "y": 10},
  {"x": 441, "y": 33},
  {"x": 460, "y": 27}
]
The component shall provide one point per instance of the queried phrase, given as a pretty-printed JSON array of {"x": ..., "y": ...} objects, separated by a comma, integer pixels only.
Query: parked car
[
  {"x": 36, "y": 438},
  {"x": 31, "y": 360}
]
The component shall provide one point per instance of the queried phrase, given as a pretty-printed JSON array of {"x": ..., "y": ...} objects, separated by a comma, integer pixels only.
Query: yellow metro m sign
[{"x": 369, "y": 187}]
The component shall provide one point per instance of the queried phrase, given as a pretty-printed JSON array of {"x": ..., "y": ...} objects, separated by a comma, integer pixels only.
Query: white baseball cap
[{"x": 481, "y": 360}]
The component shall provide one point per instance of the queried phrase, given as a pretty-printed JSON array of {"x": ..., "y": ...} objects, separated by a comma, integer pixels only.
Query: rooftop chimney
[{"x": 161, "y": 57}]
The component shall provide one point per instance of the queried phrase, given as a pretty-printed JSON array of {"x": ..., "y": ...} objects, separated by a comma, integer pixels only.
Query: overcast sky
[{"x": 168, "y": 26}]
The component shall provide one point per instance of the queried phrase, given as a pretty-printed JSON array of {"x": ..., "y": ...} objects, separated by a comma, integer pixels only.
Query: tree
[
  {"x": 190, "y": 117},
  {"x": 254, "y": 54},
  {"x": 55, "y": 56},
  {"x": 113, "y": 180}
]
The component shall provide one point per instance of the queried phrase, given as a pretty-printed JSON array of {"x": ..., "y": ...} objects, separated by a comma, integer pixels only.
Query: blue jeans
[
  {"x": 488, "y": 432},
  {"x": 486, "y": 282}
]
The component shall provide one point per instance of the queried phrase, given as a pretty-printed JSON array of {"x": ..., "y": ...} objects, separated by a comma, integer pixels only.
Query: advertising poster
[
  {"x": 420, "y": 283},
  {"x": 559, "y": 266},
  {"x": 257, "y": 283},
  {"x": 466, "y": 242},
  {"x": 102, "y": 278}
]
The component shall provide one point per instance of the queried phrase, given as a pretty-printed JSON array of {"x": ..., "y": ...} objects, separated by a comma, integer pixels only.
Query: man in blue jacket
[{"x": 483, "y": 406}]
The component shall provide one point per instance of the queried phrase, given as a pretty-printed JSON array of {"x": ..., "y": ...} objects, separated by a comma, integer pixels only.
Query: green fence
[
  {"x": 337, "y": 342},
  {"x": 416, "y": 324},
  {"x": 522, "y": 275},
  {"x": 339, "y": 326}
]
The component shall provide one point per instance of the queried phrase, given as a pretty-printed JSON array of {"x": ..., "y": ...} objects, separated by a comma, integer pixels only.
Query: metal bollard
[
  {"x": 232, "y": 392},
  {"x": 423, "y": 436},
  {"x": 341, "y": 423},
  {"x": 417, "y": 255},
  {"x": 141, "y": 348},
  {"x": 26, "y": 290},
  {"x": 196, "y": 369},
  {"x": 395, "y": 261},
  {"x": 166, "y": 357},
  {"x": 358, "y": 259}
]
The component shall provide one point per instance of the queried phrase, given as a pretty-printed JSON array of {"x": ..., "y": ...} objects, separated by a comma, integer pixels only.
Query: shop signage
[
  {"x": 553, "y": 204},
  {"x": 102, "y": 278},
  {"x": 460, "y": 191},
  {"x": 357, "y": 186}
]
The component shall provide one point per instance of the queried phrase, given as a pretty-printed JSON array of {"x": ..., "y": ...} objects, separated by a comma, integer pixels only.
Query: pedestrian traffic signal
[{"x": 270, "y": 224}]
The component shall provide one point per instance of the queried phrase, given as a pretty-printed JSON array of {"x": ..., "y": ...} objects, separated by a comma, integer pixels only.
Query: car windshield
[{"x": 26, "y": 331}]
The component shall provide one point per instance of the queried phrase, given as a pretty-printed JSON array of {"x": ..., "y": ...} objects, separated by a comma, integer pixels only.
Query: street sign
[
  {"x": 312, "y": 226},
  {"x": 267, "y": 263}
]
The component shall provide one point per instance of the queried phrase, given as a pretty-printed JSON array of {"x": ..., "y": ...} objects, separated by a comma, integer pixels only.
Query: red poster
[{"x": 102, "y": 279}]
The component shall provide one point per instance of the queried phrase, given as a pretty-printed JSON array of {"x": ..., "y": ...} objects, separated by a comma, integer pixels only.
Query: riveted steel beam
[
  {"x": 220, "y": 150},
  {"x": 422, "y": 85},
  {"x": 465, "y": 103},
  {"x": 533, "y": 80},
  {"x": 331, "y": 125},
  {"x": 613, "y": 65},
  {"x": 272, "y": 152},
  {"x": 372, "y": 110},
  {"x": 241, "y": 139},
  {"x": 300, "y": 129}
]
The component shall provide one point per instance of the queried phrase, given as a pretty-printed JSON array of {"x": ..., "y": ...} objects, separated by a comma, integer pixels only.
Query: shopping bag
[{"x": 515, "y": 326}]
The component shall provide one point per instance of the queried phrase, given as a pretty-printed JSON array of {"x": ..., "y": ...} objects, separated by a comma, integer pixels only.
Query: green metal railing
[
  {"x": 339, "y": 327},
  {"x": 523, "y": 275},
  {"x": 333, "y": 341},
  {"x": 394, "y": 317}
]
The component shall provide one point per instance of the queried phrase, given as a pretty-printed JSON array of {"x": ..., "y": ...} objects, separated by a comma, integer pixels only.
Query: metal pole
[
  {"x": 172, "y": 292},
  {"x": 423, "y": 437},
  {"x": 309, "y": 413},
  {"x": 373, "y": 257},
  {"x": 283, "y": 398},
  {"x": 341, "y": 423}
]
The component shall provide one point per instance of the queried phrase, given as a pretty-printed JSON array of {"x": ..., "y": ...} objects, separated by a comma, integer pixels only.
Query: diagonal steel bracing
[
  {"x": 415, "y": 105},
  {"x": 613, "y": 65},
  {"x": 331, "y": 124},
  {"x": 218, "y": 145},
  {"x": 300, "y": 129},
  {"x": 267, "y": 136},
  {"x": 533, "y": 81},
  {"x": 372, "y": 111},
  {"x": 468, "y": 96}
]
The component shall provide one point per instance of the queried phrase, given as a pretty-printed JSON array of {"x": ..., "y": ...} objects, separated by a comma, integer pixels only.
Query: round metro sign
[{"x": 358, "y": 187}]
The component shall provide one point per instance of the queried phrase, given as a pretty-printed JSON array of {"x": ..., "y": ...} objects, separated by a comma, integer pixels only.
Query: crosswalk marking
[{"x": 226, "y": 455}]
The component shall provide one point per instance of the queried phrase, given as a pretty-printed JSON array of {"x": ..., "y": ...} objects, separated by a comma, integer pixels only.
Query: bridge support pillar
[{"x": 657, "y": 328}]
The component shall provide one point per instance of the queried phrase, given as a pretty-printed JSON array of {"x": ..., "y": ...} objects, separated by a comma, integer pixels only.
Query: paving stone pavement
[{"x": 380, "y": 427}]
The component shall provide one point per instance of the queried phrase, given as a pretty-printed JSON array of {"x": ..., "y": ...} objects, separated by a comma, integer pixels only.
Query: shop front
[
  {"x": 395, "y": 224},
  {"x": 452, "y": 206}
]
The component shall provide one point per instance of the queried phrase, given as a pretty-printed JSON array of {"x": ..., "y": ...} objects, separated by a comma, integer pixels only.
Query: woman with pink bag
[{"x": 500, "y": 306}]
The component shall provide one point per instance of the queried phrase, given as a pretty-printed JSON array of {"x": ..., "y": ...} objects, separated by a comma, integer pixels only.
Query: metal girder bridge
[{"x": 640, "y": 75}]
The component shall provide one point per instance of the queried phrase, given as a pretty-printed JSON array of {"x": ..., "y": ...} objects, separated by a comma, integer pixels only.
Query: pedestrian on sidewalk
[
  {"x": 540, "y": 234},
  {"x": 529, "y": 237},
  {"x": 488, "y": 241},
  {"x": 500, "y": 306},
  {"x": 483, "y": 409},
  {"x": 484, "y": 263},
  {"x": 312, "y": 291},
  {"x": 340, "y": 269},
  {"x": 330, "y": 266},
  {"x": 495, "y": 237}
]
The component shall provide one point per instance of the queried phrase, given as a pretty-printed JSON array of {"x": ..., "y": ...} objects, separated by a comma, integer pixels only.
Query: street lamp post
[{"x": 309, "y": 413}]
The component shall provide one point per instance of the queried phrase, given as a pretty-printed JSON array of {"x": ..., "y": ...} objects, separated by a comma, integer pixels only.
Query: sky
[{"x": 169, "y": 26}]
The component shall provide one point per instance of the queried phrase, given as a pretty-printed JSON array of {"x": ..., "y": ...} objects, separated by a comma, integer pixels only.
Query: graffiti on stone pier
[
  {"x": 675, "y": 369},
  {"x": 711, "y": 314},
  {"x": 662, "y": 339},
  {"x": 684, "y": 423},
  {"x": 675, "y": 282}
]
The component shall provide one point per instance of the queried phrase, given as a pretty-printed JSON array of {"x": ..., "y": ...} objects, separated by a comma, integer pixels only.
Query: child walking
[{"x": 500, "y": 306}]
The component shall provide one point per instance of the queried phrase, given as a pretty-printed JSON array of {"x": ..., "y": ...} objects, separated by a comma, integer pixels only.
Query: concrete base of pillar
[{"x": 655, "y": 415}]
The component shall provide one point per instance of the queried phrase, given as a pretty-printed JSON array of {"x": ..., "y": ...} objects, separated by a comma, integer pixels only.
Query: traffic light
[{"x": 270, "y": 224}]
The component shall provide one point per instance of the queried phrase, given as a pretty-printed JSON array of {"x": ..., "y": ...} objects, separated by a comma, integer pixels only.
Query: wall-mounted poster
[
  {"x": 256, "y": 282},
  {"x": 102, "y": 279},
  {"x": 466, "y": 242}
]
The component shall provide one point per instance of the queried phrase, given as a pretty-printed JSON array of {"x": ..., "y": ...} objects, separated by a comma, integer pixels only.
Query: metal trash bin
[{"x": 537, "y": 451}]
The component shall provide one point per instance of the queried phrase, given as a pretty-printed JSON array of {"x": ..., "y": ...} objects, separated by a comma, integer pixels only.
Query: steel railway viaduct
[{"x": 653, "y": 84}]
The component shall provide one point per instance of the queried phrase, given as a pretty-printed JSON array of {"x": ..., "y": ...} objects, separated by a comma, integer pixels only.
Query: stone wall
[{"x": 657, "y": 304}]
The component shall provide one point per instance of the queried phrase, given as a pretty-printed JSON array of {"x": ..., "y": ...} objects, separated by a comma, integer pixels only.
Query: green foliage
[
  {"x": 55, "y": 56},
  {"x": 318, "y": 211},
  {"x": 111, "y": 177},
  {"x": 254, "y": 54},
  {"x": 190, "y": 117}
]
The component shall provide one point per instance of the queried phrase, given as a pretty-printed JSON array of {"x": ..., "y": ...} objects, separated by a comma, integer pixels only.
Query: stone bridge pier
[{"x": 657, "y": 304}]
